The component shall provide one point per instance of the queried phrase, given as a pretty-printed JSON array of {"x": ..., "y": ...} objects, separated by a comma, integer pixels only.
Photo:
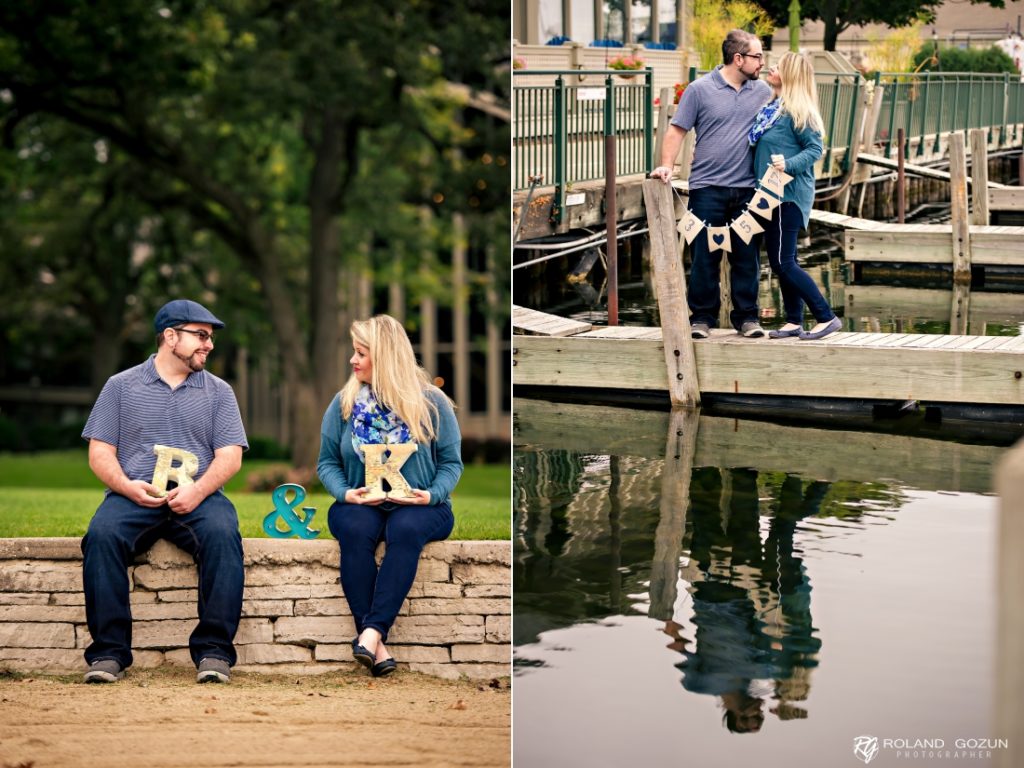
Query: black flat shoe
[
  {"x": 362, "y": 655},
  {"x": 384, "y": 668}
]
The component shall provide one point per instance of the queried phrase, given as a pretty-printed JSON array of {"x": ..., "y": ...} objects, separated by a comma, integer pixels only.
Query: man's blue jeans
[
  {"x": 375, "y": 595},
  {"x": 718, "y": 207},
  {"x": 120, "y": 530}
]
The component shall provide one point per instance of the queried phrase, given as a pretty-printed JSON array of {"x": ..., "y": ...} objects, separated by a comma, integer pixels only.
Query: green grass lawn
[{"x": 55, "y": 494}]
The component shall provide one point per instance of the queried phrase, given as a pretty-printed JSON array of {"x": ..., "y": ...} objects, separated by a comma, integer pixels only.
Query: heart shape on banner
[
  {"x": 762, "y": 203},
  {"x": 719, "y": 239}
]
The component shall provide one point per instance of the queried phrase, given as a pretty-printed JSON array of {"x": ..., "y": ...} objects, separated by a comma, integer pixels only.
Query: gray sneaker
[
  {"x": 213, "y": 670},
  {"x": 700, "y": 330},
  {"x": 104, "y": 671},
  {"x": 752, "y": 330}
]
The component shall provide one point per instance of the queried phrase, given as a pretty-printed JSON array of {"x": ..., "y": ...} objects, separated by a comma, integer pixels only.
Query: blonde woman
[
  {"x": 787, "y": 134},
  {"x": 388, "y": 399}
]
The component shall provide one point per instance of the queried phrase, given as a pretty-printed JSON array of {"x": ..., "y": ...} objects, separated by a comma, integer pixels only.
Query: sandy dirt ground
[{"x": 163, "y": 719}]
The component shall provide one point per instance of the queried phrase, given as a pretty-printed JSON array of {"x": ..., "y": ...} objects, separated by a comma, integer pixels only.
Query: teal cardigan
[
  {"x": 435, "y": 466},
  {"x": 801, "y": 150}
]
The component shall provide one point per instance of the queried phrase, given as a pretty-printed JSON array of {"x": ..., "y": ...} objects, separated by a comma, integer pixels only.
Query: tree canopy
[
  {"x": 258, "y": 154},
  {"x": 840, "y": 15}
]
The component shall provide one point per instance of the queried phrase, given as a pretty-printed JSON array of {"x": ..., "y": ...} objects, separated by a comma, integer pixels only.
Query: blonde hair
[
  {"x": 397, "y": 381},
  {"x": 799, "y": 96}
]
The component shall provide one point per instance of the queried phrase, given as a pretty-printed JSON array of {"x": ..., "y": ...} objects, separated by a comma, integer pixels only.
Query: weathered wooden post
[
  {"x": 664, "y": 116},
  {"x": 680, "y": 449},
  {"x": 667, "y": 273},
  {"x": 725, "y": 288},
  {"x": 1009, "y": 666},
  {"x": 979, "y": 175},
  {"x": 959, "y": 310},
  {"x": 958, "y": 209}
]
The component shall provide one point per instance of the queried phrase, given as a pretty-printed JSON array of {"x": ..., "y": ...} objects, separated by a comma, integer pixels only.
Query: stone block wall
[{"x": 455, "y": 622}]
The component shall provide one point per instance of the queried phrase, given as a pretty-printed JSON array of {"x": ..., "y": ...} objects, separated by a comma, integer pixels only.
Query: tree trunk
[
  {"x": 831, "y": 34},
  {"x": 829, "y": 11},
  {"x": 324, "y": 186},
  {"x": 307, "y": 413},
  {"x": 110, "y": 257},
  {"x": 295, "y": 359}
]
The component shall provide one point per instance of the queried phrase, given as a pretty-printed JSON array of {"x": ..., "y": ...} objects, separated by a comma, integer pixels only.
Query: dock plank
[
  {"x": 911, "y": 340},
  {"x": 968, "y": 373},
  {"x": 1006, "y": 199},
  {"x": 865, "y": 339},
  {"x": 528, "y": 320},
  {"x": 1017, "y": 343},
  {"x": 934, "y": 246},
  {"x": 917, "y": 170}
]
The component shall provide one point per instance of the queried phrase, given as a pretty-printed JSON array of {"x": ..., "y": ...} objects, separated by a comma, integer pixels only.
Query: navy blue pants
[
  {"x": 780, "y": 236},
  {"x": 375, "y": 595},
  {"x": 120, "y": 530},
  {"x": 717, "y": 207}
]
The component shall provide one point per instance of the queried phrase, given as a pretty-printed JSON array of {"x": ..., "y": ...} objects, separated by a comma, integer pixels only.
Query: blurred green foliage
[
  {"x": 991, "y": 59},
  {"x": 260, "y": 156}
]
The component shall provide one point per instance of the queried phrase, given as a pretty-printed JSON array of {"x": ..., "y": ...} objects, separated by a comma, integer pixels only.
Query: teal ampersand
[{"x": 284, "y": 510}]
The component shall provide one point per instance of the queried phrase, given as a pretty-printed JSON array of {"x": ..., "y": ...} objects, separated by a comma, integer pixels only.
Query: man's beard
[{"x": 195, "y": 364}]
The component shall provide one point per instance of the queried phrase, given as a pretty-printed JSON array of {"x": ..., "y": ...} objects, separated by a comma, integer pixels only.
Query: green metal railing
[
  {"x": 561, "y": 117},
  {"x": 932, "y": 104}
]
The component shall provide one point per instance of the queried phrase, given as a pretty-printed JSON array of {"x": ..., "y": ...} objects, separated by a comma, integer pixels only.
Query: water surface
[{"x": 723, "y": 592}]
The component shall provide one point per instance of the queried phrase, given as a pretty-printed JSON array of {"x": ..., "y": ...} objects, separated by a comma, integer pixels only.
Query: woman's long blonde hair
[
  {"x": 396, "y": 380},
  {"x": 799, "y": 96}
]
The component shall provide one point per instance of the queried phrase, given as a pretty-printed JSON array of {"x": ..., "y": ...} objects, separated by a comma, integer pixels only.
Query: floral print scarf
[
  {"x": 766, "y": 118},
  {"x": 373, "y": 423}
]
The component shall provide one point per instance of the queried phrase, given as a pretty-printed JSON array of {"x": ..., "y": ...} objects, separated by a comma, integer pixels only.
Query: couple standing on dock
[{"x": 743, "y": 127}]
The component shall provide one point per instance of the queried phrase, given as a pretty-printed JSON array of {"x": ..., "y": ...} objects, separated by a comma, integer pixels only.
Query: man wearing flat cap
[{"x": 167, "y": 409}]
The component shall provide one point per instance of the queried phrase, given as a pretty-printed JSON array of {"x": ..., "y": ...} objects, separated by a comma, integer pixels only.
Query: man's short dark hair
[{"x": 737, "y": 41}]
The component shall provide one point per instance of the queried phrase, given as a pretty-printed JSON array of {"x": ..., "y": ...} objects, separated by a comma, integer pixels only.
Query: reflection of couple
[
  {"x": 751, "y": 600},
  {"x": 728, "y": 109}
]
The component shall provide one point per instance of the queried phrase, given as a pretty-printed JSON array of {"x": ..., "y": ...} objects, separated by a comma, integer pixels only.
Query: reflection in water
[
  {"x": 751, "y": 601},
  {"x": 713, "y": 531}
]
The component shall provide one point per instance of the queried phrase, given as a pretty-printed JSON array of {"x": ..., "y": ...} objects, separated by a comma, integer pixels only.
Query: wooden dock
[
  {"x": 930, "y": 368},
  {"x": 927, "y": 368},
  {"x": 867, "y": 240}
]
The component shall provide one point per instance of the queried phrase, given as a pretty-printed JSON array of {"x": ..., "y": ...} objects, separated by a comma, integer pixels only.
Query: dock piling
[
  {"x": 958, "y": 209},
  {"x": 667, "y": 274},
  {"x": 979, "y": 175}
]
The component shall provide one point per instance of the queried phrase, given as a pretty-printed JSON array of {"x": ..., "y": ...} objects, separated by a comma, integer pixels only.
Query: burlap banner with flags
[{"x": 744, "y": 226}]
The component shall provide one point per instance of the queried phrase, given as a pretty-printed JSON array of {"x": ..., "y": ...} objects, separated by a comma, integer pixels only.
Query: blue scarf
[
  {"x": 373, "y": 423},
  {"x": 766, "y": 118}
]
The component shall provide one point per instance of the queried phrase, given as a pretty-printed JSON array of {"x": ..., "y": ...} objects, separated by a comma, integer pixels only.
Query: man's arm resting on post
[
  {"x": 104, "y": 464},
  {"x": 226, "y": 462},
  {"x": 669, "y": 153}
]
